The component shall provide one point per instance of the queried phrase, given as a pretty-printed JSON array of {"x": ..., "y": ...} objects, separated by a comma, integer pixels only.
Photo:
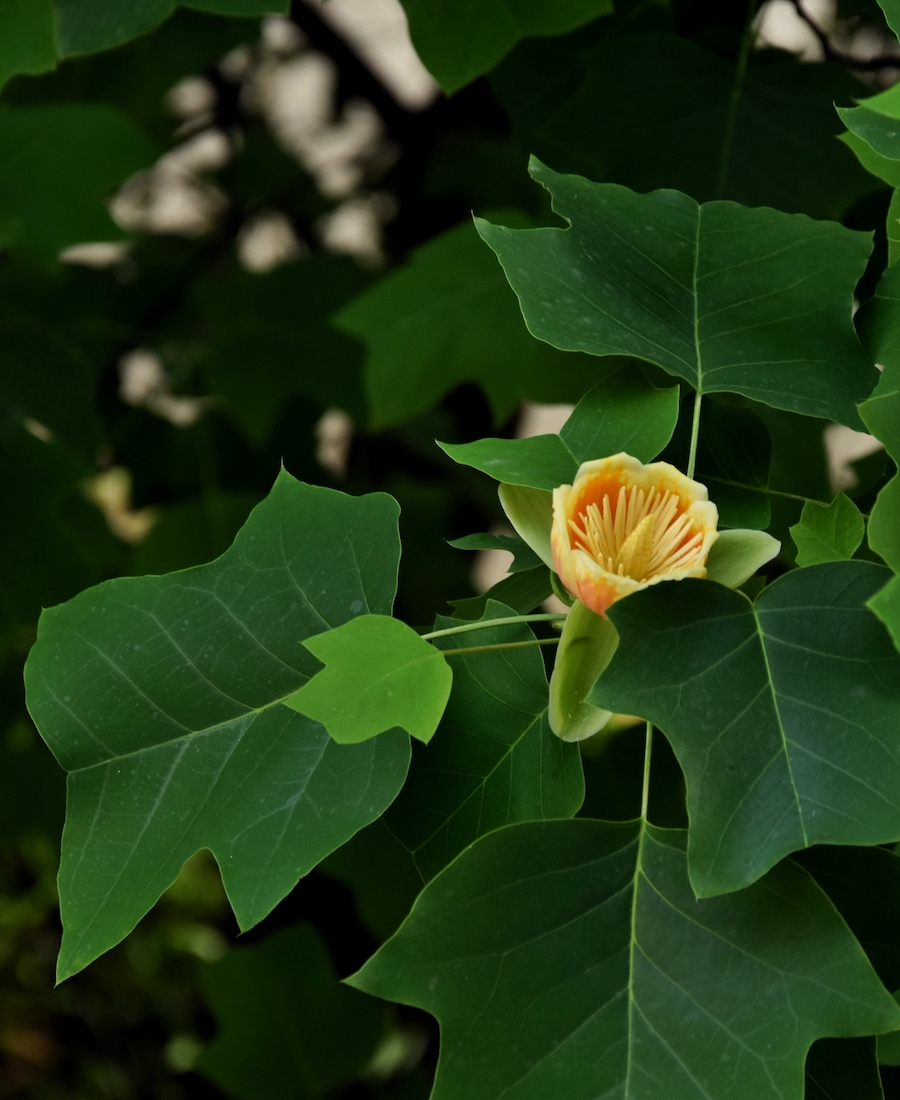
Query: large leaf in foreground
[
  {"x": 162, "y": 696},
  {"x": 494, "y": 760},
  {"x": 784, "y": 715},
  {"x": 751, "y": 301},
  {"x": 571, "y": 961}
]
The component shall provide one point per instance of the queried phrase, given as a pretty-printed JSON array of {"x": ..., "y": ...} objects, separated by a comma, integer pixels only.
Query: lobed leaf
[
  {"x": 828, "y": 532},
  {"x": 623, "y": 412},
  {"x": 732, "y": 299},
  {"x": 784, "y": 715},
  {"x": 162, "y": 696},
  {"x": 378, "y": 674},
  {"x": 571, "y": 960}
]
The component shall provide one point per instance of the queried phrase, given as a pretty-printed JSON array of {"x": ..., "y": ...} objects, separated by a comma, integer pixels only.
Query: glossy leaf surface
[
  {"x": 163, "y": 698},
  {"x": 784, "y": 715},
  {"x": 378, "y": 674},
  {"x": 494, "y": 760},
  {"x": 591, "y": 970},
  {"x": 750, "y": 301}
]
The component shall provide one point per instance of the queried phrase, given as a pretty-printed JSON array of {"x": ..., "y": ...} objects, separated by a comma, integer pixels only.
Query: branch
[{"x": 871, "y": 64}]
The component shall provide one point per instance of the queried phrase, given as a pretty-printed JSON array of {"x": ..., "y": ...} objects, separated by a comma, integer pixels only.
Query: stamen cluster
[
  {"x": 622, "y": 525},
  {"x": 640, "y": 537}
]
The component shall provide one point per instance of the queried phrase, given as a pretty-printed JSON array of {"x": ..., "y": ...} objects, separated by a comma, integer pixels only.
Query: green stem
[
  {"x": 734, "y": 100},
  {"x": 486, "y": 623},
  {"x": 695, "y": 434},
  {"x": 645, "y": 791},
  {"x": 499, "y": 645}
]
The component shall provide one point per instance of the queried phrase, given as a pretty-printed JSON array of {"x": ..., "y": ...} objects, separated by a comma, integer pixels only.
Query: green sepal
[
  {"x": 586, "y": 647},
  {"x": 736, "y": 555},
  {"x": 530, "y": 511}
]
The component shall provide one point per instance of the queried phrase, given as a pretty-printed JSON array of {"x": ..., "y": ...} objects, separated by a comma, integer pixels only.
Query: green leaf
[
  {"x": 886, "y": 605},
  {"x": 652, "y": 276},
  {"x": 288, "y": 1029},
  {"x": 524, "y": 556},
  {"x": 192, "y": 532},
  {"x": 884, "y": 524},
  {"x": 27, "y": 43},
  {"x": 58, "y": 166},
  {"x": 762, "y": 135},
  {"x": 736, "y": 555},
  {"x": 882, "y": 167},
  {"x": 86, "y": 26},
  {"x": 881, "y": 414},
  {"x": 163, "y": 697},
  {"x": 494, "y": 760},
  {"x": 624, "y": 412},
  {"x": 571, "y": 960},
  {"x": 878, "y": 322},
  {"x": 378, "y": 674},
  {"x": 828, "y": 532},
  {"x": 539, "y": 462},
  {"x": 458, "y": 44},
  {"x": 445, "y": 318},
  {"x": 843, "y": 1069},
  {"x": 734, "y": 454},
  {"x": 783, "y": 714},
  {"x": 891, "y": 9},
  {"x": 879, "y": 131},
  {"x": 523, "y": 592}
]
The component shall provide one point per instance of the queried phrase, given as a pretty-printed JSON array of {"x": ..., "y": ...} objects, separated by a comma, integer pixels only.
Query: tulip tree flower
[{"x": 621, "y": 526}]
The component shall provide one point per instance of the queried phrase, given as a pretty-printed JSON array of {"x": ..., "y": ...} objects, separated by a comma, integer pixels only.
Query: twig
[{"x": 871, "y": 64}]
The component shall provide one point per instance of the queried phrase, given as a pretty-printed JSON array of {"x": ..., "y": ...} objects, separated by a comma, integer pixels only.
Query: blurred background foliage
[{"x": 229, "y": 242}]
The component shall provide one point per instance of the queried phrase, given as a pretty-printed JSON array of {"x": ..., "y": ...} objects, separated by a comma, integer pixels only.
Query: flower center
[{"x": 640, "y": 537}]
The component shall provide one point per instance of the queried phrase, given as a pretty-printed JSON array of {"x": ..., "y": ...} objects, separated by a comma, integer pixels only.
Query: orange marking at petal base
[{"x": 623, "y": 525}]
